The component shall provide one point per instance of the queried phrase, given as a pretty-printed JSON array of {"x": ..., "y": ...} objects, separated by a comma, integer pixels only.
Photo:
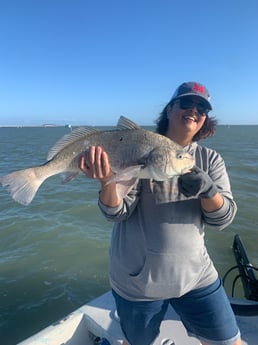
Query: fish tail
[{"x": 23, "y": 184}]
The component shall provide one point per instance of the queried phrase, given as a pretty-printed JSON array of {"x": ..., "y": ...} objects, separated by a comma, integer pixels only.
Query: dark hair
[{"x": 208, "y": 129}]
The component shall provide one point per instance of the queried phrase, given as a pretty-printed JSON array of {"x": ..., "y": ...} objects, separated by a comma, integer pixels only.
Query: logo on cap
[{"x": 199, "y": 88}]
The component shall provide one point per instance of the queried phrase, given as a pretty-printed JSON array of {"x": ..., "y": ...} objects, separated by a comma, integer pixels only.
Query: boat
[
  {"x": 69, "y": 126},
  {"x": 97, "y": 322}
]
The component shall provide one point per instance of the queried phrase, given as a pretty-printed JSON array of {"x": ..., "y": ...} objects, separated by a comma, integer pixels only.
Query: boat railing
[{"x": 248, "y": 307}]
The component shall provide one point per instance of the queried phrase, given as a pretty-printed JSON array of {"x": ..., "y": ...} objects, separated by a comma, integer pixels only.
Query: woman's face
[{"x": 186, "y": 116}]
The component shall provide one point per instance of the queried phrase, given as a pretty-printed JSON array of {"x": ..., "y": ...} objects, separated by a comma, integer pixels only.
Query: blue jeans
[{"x": 206, "y": 314}]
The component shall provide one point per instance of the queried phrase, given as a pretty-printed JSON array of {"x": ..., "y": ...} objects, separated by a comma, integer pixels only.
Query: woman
[{"x": 158, "y": 255}]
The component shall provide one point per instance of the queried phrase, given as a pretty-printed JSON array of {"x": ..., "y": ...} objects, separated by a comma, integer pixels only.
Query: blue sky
[{"x": 88, "y": 62}]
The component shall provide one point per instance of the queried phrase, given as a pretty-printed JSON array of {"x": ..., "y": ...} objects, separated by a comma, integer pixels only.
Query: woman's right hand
[{"x": 95, "y": 164}]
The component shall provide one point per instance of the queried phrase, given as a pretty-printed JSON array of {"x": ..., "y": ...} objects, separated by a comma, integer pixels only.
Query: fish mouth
[{"x": 186, "y": 170}]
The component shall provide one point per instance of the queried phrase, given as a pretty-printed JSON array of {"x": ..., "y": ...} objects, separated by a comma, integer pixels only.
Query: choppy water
[{"x": 54, "y": 253}]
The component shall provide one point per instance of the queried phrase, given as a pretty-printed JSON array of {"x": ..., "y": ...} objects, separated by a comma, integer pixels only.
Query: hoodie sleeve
[
  {"x": 125, "y": 208},
  {"x": 215, "y": 167}
]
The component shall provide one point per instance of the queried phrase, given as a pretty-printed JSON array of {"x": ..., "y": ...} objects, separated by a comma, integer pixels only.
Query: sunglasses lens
[{"x": 187, "y": 103}]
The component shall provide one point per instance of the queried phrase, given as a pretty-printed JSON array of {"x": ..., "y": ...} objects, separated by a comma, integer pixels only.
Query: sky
[{"x": 87, "y": 62}]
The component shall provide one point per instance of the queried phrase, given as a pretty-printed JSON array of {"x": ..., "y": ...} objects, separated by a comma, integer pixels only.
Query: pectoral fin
[
  {"x": 127, "y": 174},
  {"x": 124, "y": 187},
  {"x": 125, "y": 179}
]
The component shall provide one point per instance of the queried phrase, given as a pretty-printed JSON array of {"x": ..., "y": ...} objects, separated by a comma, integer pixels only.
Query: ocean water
[{"x": 54, "y": 252}]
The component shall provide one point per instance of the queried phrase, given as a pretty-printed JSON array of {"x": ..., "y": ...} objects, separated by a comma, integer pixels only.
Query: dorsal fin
[
  {"x": 76, "y": 134},
  {"x": 125, "y": 123}
]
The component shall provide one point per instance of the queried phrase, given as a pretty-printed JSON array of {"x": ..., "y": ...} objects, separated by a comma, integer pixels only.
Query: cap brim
[{"x": 194, "y": 94}]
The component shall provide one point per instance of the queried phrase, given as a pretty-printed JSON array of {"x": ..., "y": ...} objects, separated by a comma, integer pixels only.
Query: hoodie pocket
[{"x": 166, "y": 275}]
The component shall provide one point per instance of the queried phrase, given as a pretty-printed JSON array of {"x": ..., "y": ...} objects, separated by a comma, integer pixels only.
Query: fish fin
[
  {"x": 69, "y": 176},
  {"x": 126, "y": 174},
  {"x": 125, "y": 179},
  {"x": 125, "y": 123},
  {"x": 67, "y": 139},
  {"x": 22, "y": 185},
  {"x": 124, "y": 187}
]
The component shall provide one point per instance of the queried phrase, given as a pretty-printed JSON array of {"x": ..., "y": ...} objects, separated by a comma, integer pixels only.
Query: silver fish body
[{"x": 133, "y": 153}]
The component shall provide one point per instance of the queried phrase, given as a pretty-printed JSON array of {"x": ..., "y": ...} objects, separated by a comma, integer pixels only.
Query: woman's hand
[
  {"x": 95, "y": 164},
  {"x": 198, "y": 183}
]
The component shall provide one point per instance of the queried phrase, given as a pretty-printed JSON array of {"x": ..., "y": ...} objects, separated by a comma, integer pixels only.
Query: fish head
[
  {"x": 179, "y": 162},
  {"x": 166, "y": 162}
]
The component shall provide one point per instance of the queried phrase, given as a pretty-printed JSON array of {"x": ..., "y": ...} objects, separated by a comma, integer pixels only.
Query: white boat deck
[{"x": 99, "y": 318}]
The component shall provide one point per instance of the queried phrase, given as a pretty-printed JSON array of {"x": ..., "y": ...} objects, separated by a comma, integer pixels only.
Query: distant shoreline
[
  {"x": 38, "y": 126},
  {"x": 80, "y": 125}
]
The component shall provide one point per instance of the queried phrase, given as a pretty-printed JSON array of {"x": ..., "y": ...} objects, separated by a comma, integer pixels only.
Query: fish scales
[{"x": 133, "y": 153}]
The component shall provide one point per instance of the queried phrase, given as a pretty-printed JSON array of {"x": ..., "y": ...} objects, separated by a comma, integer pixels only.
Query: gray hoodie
[{"x": 157, "y": 246}]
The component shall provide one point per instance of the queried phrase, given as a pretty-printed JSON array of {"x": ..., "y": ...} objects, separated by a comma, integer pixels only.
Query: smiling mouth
[{"x": 189, "y": 117}]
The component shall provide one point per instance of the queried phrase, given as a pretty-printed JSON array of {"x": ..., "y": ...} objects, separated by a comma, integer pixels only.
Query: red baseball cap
[{"x": 192, "y": 88}]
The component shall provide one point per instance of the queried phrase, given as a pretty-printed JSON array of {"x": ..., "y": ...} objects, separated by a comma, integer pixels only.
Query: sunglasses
[{"x": 188, "y": 103}]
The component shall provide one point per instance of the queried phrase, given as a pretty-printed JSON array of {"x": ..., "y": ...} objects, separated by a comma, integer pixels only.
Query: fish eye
[{"x": 180, "y": 156}]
